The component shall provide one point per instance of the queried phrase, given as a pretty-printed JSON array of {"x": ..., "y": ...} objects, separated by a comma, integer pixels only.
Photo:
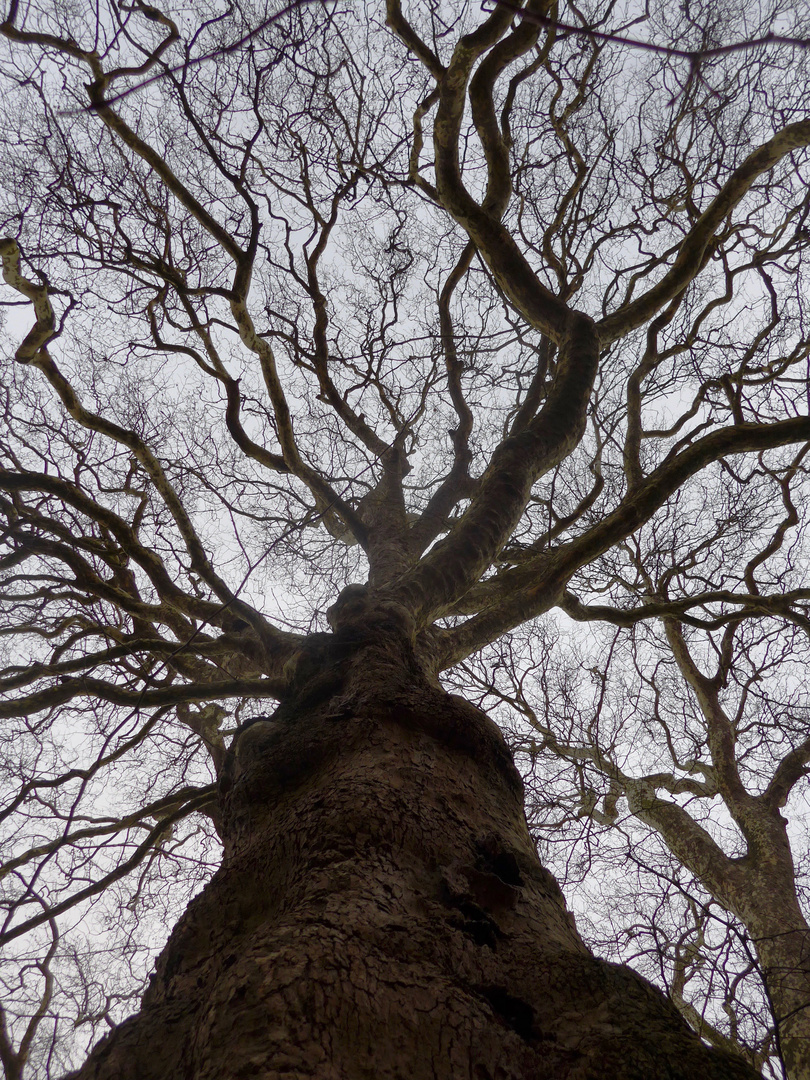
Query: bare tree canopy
[{"x": 354, "y": 355}]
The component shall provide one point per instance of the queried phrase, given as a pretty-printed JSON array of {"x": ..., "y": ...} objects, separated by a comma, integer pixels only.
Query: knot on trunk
[{"x": 360, "y": 614}]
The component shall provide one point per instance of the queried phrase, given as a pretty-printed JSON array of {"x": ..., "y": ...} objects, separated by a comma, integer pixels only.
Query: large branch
[
  {"x": 96, "y": 92},
  {"x": 721, "y": 734},
  {"x": 694, "y": 249},
  {"x": 243, "y": 259},
  {"x": 723, "y": 877},
  {"x": 272, "y": 638},
  {"x": 153, "y": 566},
  {"x": 459, "y": 560},
  {"x": 526, "y": 591},
  {"x": 44, "y": 328},
  {"x": 750, "y": 605},
  {"x": 406, "y": 33},
  {"x": 72, "y": 689},
  {"x": 793, "y": 767},
  {"x": 453, "y": 566},
  {"x": 457, "y": 484}
]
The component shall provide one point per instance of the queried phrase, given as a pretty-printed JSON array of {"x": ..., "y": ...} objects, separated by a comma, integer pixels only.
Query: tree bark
[
  {"x": 381, "y": 911},
  {"x": 782, "y": 938},
  {"x": 760, "y": 890}
]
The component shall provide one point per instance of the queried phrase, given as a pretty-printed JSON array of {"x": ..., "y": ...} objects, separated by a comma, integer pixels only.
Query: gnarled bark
[{"x": 381, "y": 910}]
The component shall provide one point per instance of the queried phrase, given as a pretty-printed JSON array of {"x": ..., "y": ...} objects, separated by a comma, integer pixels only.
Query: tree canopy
[{"x": 486, "y": 311}]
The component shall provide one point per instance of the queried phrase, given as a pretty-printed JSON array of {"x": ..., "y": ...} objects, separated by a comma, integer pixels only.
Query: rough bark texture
[
  {"x": 381, "y": 911},
  {"x": 780, "y": 933}
]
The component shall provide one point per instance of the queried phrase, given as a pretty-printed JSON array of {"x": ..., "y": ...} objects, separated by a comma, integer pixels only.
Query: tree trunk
[
  {"x": 782, "y": 940},
  {"x": 381, "y": 912}
]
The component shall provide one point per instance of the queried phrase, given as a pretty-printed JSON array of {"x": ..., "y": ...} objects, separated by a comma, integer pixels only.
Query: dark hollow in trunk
[{"x": 381, "y": 912}]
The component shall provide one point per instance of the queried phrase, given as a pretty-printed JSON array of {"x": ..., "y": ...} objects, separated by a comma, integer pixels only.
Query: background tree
[{"x": 495, "y": 317}]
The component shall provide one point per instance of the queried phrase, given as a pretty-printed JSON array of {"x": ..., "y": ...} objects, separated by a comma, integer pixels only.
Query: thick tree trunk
[{"x": 381, "y": 912}]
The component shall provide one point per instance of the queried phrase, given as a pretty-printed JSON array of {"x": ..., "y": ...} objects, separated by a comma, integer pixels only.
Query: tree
[
  {"x": 689, "y": 905},
  {"x": 361, "y": 341}
]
